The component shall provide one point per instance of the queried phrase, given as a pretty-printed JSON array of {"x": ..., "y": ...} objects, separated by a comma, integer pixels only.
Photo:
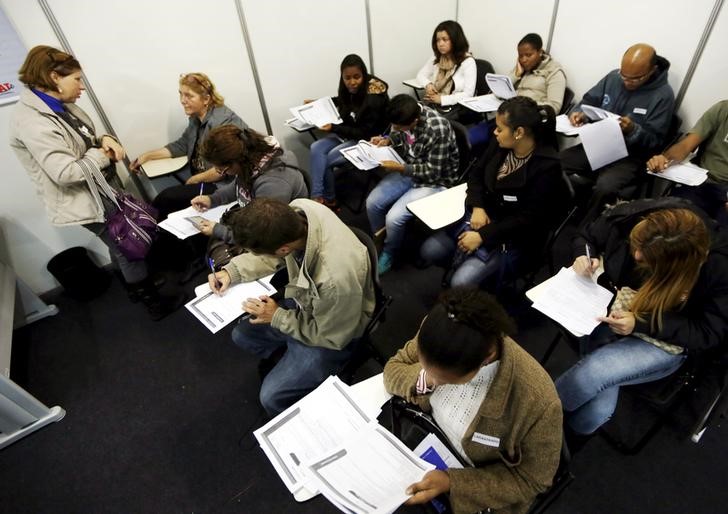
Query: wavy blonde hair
[
  {"x": 202, "y": 85},
  {"x": 674, "y": 244}
]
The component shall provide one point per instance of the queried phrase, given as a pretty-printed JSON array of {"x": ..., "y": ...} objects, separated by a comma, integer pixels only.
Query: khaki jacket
[
  {"x": 50, "y": 151},
  {"x": 521, "y": 409},
  {"x": 545, "y": 85},
  {"x": 333, "y": 286}
]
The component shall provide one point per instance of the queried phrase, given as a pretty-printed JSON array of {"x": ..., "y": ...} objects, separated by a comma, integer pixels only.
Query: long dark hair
[
  {"x": 228, "y": 144},
  {"x": 462, "y": 329},
  {"x": 539, "y": 121},
  {"x": 348, "y": 101},
  {"x": 459, "y": 42}
]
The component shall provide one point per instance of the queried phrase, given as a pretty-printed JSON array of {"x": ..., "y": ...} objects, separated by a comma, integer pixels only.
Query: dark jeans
[
  {"x": 176, "y": 198},
  {"x": 610, "y": 180}
]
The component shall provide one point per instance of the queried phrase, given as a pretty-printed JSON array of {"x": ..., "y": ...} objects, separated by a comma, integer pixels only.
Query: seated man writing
[
  {"x": 711, "y": 131},
  {"x": 327, "y": 303}
]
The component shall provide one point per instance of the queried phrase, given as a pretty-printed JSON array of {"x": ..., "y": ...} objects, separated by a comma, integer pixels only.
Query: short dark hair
[
  {"x": 41, "y": 61},
  {"x": 533, "y": 40},
  {"x": 265, "y": 224},
  {"x": 462, "y": 329},
  {"x": 539, "y": 121},
  {"x": 459, "y": 42},
  {"x": 402, "y": 110}
]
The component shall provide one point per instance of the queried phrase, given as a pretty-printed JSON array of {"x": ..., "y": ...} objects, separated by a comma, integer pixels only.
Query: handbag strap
[{"x": 95, "y": 180}]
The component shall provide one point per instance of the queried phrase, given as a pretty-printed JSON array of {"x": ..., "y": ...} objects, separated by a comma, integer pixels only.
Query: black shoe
[
  {"x": 195, "y": 268},
  {"x": 133, "y": 292},
  {"x": 158, "y": 305}
]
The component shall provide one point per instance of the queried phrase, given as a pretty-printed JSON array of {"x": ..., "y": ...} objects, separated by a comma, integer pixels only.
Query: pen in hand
[
  {"x": 217, "y": 283},
  {"x": 202, "y": 184}
]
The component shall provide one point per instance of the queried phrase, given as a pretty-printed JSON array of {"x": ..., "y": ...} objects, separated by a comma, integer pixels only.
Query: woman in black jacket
[
  {"x": 670, "y": 274},
  {"x": 361, "y": 101},
  {"x": 516, "y": 194}
]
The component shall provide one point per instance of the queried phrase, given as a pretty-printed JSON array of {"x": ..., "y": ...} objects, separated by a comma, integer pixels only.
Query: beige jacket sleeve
[
  {"x": 247, "y": 267},
  {"x": 401, "y": 373}
]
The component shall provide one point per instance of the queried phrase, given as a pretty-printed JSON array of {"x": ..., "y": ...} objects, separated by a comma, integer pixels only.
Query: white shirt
[{"x": 463, "y": 80}]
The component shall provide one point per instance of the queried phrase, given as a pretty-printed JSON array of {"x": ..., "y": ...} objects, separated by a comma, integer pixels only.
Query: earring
[
  {"x": 518, "y": 137},
  {"x": 60, "y": 90}
]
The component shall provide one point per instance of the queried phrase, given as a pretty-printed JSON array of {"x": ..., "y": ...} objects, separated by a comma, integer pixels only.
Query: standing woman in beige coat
[
  {"x": 496, "y": 404},
  {"x": 52, "y": 138}
]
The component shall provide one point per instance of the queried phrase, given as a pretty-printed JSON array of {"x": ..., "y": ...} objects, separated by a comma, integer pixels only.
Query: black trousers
[{"x": 176, "y": 198}]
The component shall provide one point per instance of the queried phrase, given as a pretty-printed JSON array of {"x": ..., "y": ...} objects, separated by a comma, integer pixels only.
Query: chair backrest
[
  {"x": 568, "y": 102},
  {"x": 464, "y": 149},
  {"x": 482, "y": 67}
]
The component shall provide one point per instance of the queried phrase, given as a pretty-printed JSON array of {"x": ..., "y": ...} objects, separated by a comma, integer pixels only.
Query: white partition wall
[
  {"x": 298, "y": 48},
  {"x": 710, "y": 80},
  {"x": 402, "y": 36},
  {"x": 494, "y": 28},
  {"x": 591, "y": 36}
]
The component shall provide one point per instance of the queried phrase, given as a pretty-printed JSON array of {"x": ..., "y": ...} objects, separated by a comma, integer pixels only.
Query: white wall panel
[
  {"x": 298, "y": 49},
  {"x": 494, "y": 27},
  {"x": 710, "y": 80},
  {"x": 591, "y": 36},
  {"x": 401, "y": 37}
]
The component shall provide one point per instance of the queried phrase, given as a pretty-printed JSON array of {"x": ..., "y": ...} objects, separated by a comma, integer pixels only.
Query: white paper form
[
  {"x": 564, "y": 126},
  {"x": 318, "y": 113},
  {"x": 597, "y": 114},
  {"x": 178, "y": 224},
  {"x": 573, "y": 301},
  {"x": 369, "y": 473},
  {"x": 482, "y": 103},
  {"x": 684, "y": 173},
  {"x": 603, "y": 142},
  {"x": 310, "y": 428},
  {"x": 218, "y": 311},
  {"x": 299, "y": 125},
  {"x": 366, "y": 156},
  {"x": 500, "y": 85}
]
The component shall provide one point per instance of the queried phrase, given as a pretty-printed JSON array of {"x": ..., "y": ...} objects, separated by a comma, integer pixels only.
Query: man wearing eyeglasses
[{"x": 639, "y": 93}]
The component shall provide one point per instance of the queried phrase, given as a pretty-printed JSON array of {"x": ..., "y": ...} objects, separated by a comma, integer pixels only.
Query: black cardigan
[
  {"x": 703, "y": 321},
  {"x": 370, "y": 120},
  {"x": 524, "y": 206}
]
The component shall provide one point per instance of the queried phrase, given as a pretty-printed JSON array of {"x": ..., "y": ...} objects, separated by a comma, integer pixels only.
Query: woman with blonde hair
[
  {"x": 670, "y": 275},
  {"x": 206, "y": 110}
]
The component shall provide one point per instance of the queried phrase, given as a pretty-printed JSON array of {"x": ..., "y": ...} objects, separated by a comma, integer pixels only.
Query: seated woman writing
[
  {"x": 496, "y": 404},
  {"x": 671, "y": 278},
  {"x": 259, "y": 167},
  {"x": 516, "y": 194}
]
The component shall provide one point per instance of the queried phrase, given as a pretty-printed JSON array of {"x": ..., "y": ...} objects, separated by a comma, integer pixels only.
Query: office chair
[
  {"x": 366, "y": 348},
  {"x": 465, "y": 154},
  {"x": 568, "y": 102}
]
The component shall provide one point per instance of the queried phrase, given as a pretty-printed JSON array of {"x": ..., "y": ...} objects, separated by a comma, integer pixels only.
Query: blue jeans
[
  {"x": 589, "y": 389},
  {"x": 440, "y": 248},
  {"x": 301, "y": 369},
  {"x": 387, "y": 207},
  {"x": 325, "y": 155}
]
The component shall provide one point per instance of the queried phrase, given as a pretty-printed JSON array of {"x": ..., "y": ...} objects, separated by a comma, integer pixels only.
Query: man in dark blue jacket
[{"x": 640, "y": 94}]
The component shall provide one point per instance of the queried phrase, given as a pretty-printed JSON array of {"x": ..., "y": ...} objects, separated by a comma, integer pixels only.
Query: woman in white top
[{"x": 450, "y": 76}]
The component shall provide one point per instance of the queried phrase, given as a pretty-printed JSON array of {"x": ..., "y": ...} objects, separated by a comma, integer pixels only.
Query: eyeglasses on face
[{"x": 634, "y": 80}]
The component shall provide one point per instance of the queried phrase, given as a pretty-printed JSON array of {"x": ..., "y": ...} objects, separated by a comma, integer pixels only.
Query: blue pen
[{"x": 211, "y": 263}]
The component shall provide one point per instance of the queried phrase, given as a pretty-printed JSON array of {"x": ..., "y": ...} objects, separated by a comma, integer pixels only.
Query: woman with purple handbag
[{"x": 57, "y": 145}]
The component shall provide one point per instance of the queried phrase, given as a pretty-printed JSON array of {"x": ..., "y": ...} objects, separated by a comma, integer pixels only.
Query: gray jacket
[
  {"x": 197, "y": 130},
  {"x": 50, "y": 151}
]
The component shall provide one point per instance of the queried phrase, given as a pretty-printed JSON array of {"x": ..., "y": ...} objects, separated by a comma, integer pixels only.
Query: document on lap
[
  {"x": 218, "y": 311},
  {"x": 603, "y": 142},
  {"x": 500, "y": 85},
  {"x": 684, "y": 173},
  {"x": 299, "y": 125},
  {"x": 483, "y": 103},
  {"x": 365, "y": 156},
  {"x": 573, "y": 301},
  {"x": 597, "y": 114},
  {"x": 564, "y": 126},
  {"x": 178, "y": 224},
  {"x": 317, "y": 113}
]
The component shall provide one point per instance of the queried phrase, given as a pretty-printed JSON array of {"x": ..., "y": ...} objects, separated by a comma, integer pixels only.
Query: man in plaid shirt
[{"x": 426, "y": 142}]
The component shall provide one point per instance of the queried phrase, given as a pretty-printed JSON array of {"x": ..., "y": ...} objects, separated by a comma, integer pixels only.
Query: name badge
[
  {"x": 487, "y": 440},
  {"x": 639, "y": 110},
  {"x": 510, "y": 198}
]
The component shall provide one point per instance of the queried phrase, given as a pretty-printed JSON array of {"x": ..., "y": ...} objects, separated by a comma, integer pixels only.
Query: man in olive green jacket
[
  {"x": 327, "y": 304},
  {"x": 514, "y": 439}
]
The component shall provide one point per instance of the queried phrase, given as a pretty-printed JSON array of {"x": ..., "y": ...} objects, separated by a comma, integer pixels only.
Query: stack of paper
[
  {"x": 596, "y": 113},
  {"x": 564, "y": 126},
  {"x": 327, "y": 443},
  {"x": 217, "y": 311},
  {"x": 317, "y": 113},
  {"x": 366, "y": 156},
  {"x": 483, "y": 103},
  {"x": 573, "y": 301},
  {"x": 500, "y": 85},
  {"x": 603, "y": 142},
  {"x": 182, "y": 223},
  {"x": 684, "y": 173}
]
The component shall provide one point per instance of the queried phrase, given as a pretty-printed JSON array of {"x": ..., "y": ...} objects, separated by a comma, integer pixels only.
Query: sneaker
[{"x": 385, "y": 263}]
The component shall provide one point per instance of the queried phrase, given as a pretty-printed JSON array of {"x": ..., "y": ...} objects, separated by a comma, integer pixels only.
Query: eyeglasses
[
  {"x": 223, "y": 170},
  {"x": 634, "y": 80}
]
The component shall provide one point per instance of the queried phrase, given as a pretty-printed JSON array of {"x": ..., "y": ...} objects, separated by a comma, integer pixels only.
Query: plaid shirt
[{"x": 432, "y": 159}]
